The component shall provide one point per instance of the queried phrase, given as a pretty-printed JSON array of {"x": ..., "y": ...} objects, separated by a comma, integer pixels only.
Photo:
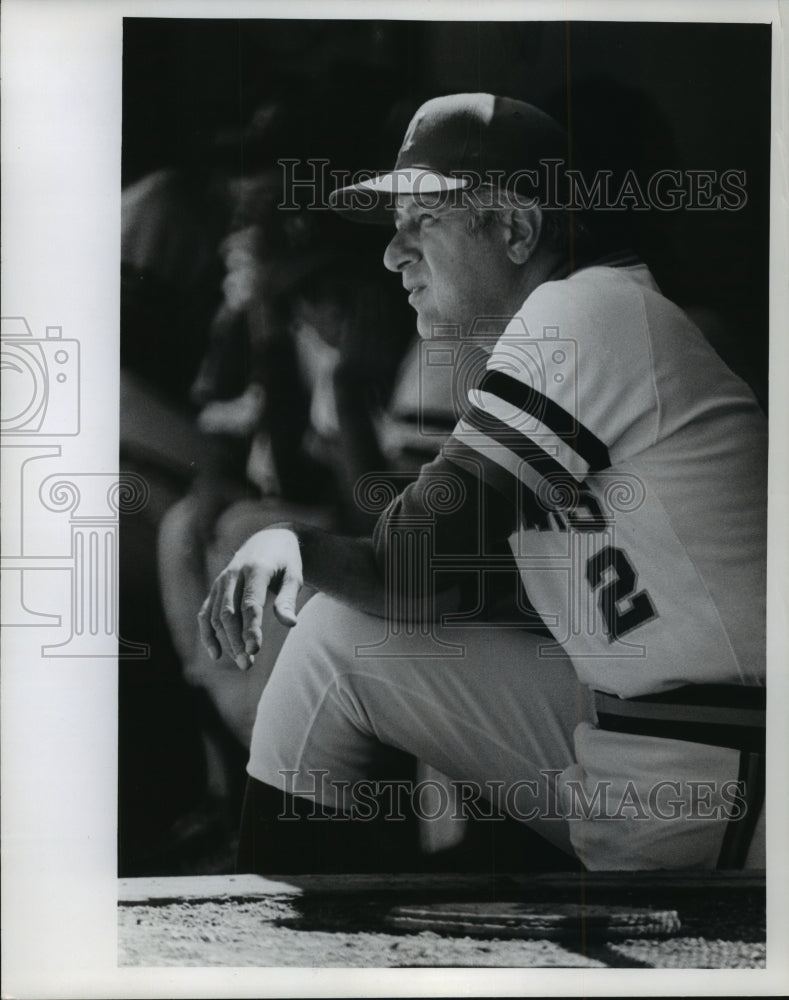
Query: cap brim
[{"x": 375, "y": 200}]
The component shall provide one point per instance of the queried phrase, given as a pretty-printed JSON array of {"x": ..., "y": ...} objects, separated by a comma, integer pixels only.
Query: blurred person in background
[{"x": 290, "y": 397}]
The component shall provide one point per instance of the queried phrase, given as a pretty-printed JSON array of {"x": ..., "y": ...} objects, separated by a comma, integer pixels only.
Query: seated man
[{"x": 605, "y": 448}]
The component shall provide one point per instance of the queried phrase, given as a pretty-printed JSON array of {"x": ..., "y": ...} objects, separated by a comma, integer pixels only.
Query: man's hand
[{"x": 231, "y": 618}]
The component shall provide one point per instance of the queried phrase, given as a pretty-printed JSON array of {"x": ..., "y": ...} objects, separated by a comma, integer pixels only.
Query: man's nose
[{"x": 400, "y": 252}]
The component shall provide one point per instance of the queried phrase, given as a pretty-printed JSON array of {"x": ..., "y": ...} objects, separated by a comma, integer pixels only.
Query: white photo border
[{"x": 61, "y": 155}]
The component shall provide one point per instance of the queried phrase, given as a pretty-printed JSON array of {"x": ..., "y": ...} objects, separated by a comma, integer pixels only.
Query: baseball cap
[{"x": 464, "y": 142}]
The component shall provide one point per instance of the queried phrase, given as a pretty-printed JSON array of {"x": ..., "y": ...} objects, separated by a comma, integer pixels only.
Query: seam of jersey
[
  {"x": 691, "y": 560},
  {"x": 652, "y": 372},
  {"x": 634, "y": 286}
]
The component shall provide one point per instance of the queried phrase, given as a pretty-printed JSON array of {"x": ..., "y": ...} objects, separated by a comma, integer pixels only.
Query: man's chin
[
  {"x": 423, "y": 327},
  {"x": 433, "y": 329}
]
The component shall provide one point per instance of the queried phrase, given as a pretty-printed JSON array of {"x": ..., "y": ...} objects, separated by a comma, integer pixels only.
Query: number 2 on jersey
[{"x": 622, "y": 607}]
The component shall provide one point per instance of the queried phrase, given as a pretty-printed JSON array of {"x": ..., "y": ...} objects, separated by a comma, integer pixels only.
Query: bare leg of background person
[
  {"x": 187, "y": 566},
  {"x": 224, "y": 698}
]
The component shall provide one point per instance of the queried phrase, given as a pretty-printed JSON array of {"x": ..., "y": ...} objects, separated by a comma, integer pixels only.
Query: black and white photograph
[{"x": 394, "y": 545}]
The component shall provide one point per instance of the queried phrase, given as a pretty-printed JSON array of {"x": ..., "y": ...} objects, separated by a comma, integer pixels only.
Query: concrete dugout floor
[{"x": 653, "y": 920}]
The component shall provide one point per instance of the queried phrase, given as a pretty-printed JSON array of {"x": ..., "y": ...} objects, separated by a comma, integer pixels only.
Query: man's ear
[{"x": 525, "y": 226}]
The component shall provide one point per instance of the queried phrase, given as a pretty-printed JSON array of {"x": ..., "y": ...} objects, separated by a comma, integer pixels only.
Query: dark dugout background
[{"x": 634, "y": 95}]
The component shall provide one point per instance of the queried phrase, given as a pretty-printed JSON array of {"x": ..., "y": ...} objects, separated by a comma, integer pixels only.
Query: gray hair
[{"x": 562, "y": 230}]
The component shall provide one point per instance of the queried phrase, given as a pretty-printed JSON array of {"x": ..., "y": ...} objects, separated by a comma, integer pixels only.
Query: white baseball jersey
[{"x": 638, "y": 461}]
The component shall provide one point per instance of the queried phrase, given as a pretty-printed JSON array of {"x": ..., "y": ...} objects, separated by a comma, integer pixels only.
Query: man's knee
[
  {"x": 325, "y": 635},
  {"x": 318, "y": 664}
]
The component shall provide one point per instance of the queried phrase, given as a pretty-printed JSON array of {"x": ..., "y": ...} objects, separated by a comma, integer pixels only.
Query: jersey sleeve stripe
[
  {"x": 563, "y": 424},
  {"x": 505, "y": 437},
  {"x": 491, "y": 454},
  {"x": 522, "y": 423}
]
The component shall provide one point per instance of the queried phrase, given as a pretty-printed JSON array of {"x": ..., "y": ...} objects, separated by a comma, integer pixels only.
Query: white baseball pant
[{"x": 498, "y": 713}]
